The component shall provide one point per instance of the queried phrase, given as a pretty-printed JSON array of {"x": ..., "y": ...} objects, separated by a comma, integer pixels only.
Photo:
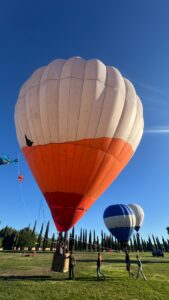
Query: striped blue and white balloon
[{"x": 120, "y": 220}]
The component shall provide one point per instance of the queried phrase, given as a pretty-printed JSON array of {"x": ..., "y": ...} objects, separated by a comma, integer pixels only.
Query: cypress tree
[
  {"x": 158, "y": 243},
  {"x": 154, "y": 241},
  {"x": 34, "y": 227},
  {"x": 76, "y": 243},
  {"x": 98, "y": 245},
  {"x": 52, "y": 242},
  {"x": 149, "y": 244},
  {"x": 94, "y": 241},
  {"x": 90, "y": 241},
  {"x": 83, "y": 240},
  {"x": 45, "y": 240},
  {"x": 135, "y": 242},
  {"x": 138, "y": 242},
  {"x": 71, "y": 240},
  {"x": 39, "y": 240},
  {"x": 165, "y": 244},
  {"x": 80, "y": 240}
]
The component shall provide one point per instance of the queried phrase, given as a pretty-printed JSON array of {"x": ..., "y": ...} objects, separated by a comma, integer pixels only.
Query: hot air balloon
[
  {"x": 78, "y": 123},
  {"x": 139, "y": 214},
  {"x": 5, "y": 160},
  {"x": 120, "y": 221}
]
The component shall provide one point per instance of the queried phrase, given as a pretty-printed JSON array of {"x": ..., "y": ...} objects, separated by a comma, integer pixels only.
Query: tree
[
  {"x": 98, "y": 245},
  {"x": 26, "y": 238},
  {"x": 39, "y": 240},
  {"x": 139, "y": 246},
  {"x": 8, "y": 237},
  {"x": 45, "y": 240},
  {"x": 90, "y": 241},
  {"x": 149, "y": 244},
  {"x": 154, "y": 241},
  {"x": 52, "y": 242},
  {"x": 94, "y": 241},
  {"x": 34, "y": 227}
]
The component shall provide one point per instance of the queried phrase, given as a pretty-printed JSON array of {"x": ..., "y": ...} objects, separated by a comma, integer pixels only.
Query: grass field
[{"x": 30, "y": 278}]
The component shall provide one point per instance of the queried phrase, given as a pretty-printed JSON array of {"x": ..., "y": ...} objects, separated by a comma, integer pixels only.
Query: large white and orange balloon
[{"x": 84, "y": 121}]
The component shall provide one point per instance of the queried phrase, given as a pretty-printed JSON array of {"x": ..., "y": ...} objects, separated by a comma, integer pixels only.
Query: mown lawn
[{"x": 30, "y": 278}]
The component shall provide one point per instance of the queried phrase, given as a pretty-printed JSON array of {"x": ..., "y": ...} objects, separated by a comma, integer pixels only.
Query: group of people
[
  {"x": 100, "y": 274},
  {"x": 139, "y": 264}
]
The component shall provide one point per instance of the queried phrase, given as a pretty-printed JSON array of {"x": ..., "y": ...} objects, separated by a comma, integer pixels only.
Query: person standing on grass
[
  {"x": 71, "y": 265},
  {"x": 99, "y": 262},
  {"x": 128, "y": 264},
  {"x": 140, "y": 269}
]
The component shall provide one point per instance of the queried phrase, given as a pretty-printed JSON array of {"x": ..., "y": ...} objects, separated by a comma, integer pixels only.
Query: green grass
[{"x": 30, "y": 278}]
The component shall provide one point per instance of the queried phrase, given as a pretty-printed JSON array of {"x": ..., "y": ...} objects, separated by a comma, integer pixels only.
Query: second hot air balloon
[{"x": 120, "y": 221}]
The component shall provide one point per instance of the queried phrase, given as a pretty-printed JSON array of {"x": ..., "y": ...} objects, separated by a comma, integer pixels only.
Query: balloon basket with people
[{"x": 60, "y": 262}]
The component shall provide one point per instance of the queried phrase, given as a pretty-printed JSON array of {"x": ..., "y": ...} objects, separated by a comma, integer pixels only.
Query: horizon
[{"x": 33, "y": 35}]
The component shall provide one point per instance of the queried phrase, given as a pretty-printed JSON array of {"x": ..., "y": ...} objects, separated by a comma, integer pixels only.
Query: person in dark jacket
[
  {"x": 71, "y": 265},
  {"x": 128, "y": 264},
  {"x": 99, "y": 262}
]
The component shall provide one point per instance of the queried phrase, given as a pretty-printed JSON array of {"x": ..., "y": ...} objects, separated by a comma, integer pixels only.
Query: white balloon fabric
[{"x": 139, "y": 214}]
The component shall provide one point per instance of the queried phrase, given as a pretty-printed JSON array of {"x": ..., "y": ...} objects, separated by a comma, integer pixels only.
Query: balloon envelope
[
  {"x": 78, "y": 123},
  {"x": 120, "y": 221},
  {"x": 139, "y": 214}
]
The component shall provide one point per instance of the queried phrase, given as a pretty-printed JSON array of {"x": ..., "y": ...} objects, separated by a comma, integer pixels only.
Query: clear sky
[{"x": 131, "y": 35}]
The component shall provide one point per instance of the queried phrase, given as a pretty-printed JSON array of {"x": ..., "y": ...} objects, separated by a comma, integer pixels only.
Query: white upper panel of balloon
[{"x": 75, "y": 99}]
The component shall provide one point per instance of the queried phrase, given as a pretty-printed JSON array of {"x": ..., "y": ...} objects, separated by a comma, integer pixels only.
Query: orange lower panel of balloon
[{"x": 72, "y": 175}]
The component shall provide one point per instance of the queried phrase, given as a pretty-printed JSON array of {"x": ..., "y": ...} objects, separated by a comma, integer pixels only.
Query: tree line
[{"x": 28, "y": 238}]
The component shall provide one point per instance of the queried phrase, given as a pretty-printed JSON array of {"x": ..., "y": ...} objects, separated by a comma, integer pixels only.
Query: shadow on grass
[
  {"x": 31, "y": 277},
  {"x": 49, "y": 278}
]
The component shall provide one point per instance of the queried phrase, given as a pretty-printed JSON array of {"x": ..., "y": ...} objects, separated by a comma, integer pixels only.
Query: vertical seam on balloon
[
  {"x": 40, "y": 105},
  {"x": 52, "y": 171},
  {"x": 101, "y": 163},
  {"x": 93, "y": 138},
  {"x": 136, "y": 101},
  {"x": 141, "y": 124},
  {"x": 30, "y": 118},
  {"x": 26, "y": 114},
  {"x": 106, "y": 175},
  {"x": 101, "y": 111},
  {"x": 124, "y": 109},
  {"x": 41, "y": 156},
  {"x": 91, "y": 104},
  {"x": 57, "y": 118},
  {"x": 138, "y": 136},
  {"x": 67, "y": 139},
  {"x": 131, "y": 128},
  {"x": 34, "y": 130},
  {"x": 106, "y": 152},
  {"x": 75, "y": 149},
  {"x": 19, "y": 127},
  {"x": 59, "y": 148}
]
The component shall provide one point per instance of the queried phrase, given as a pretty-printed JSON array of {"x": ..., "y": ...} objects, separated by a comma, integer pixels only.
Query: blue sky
[{"x": 130, "y": 35}]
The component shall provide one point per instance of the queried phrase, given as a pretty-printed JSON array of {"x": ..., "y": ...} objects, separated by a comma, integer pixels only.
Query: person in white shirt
[{"x": 140, "y": 269}]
